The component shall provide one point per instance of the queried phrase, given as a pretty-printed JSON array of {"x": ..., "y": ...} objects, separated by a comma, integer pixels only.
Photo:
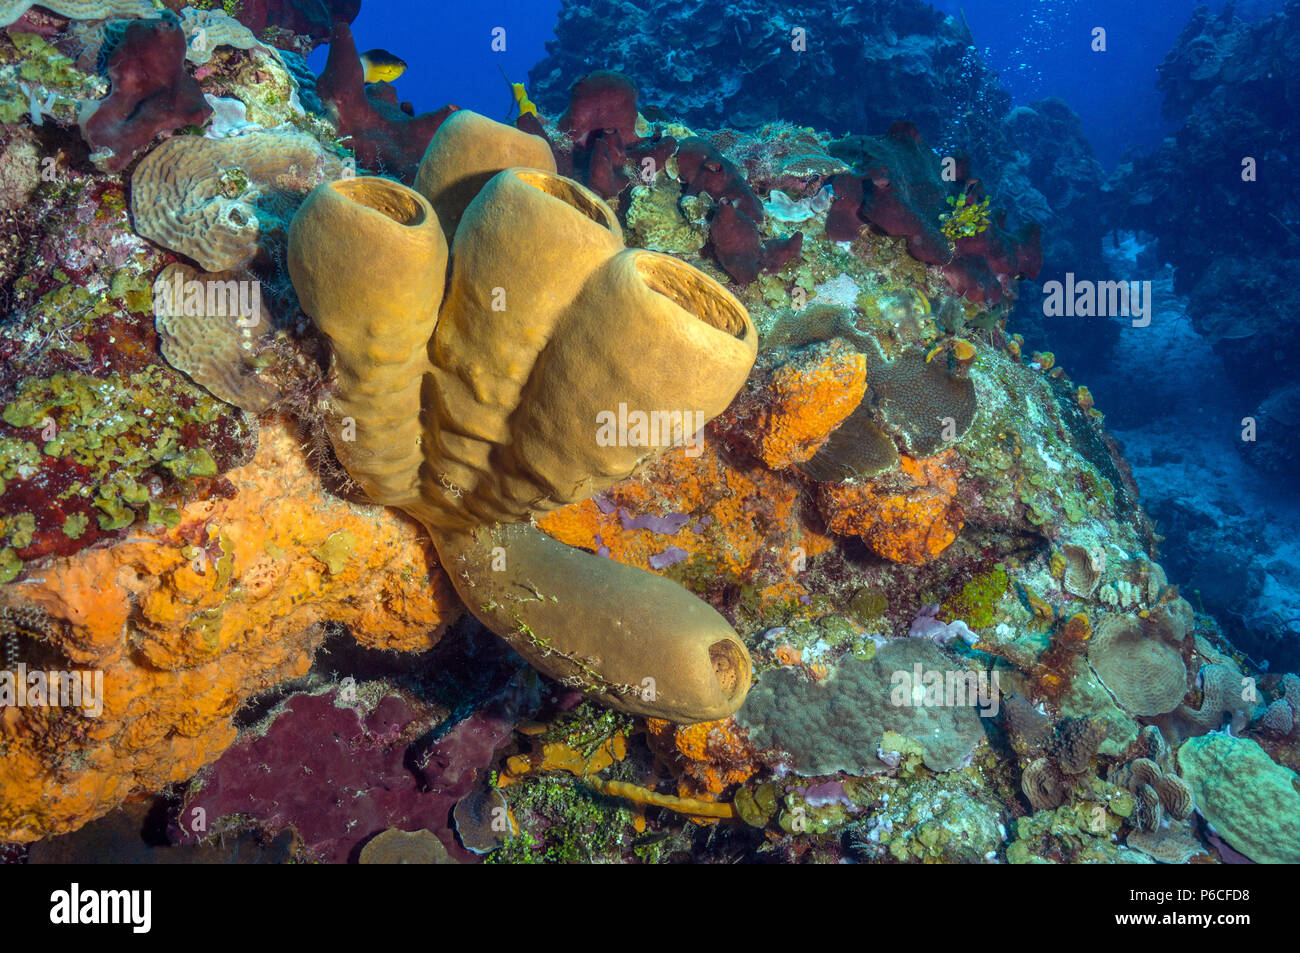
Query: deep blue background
[
  {"x": 1040, "y": 48},
  {"x": 448, "y": 48},
  {"x": 1043, "y": 48}
]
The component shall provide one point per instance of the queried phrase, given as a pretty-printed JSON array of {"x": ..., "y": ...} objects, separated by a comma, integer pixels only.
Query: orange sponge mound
[
  {"x": 188, "y": 625},
  {"x": 804, "y": 401},
  {"x": 909, "y": 515},
  {"x": 707, "y": 758}
]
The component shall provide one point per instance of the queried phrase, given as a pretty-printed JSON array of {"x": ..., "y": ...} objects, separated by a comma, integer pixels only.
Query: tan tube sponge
[
  {"x": 548, "y": 328},
  {"x": 632, "y": 640},
  {"x": 525, "y": 248},
  {"x": 467, "y": 151},
  {"x": 368, "y": 260}
]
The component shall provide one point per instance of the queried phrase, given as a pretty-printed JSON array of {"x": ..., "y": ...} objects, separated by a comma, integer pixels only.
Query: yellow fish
[
  {"x": 525, "y": 104},
  {"x": 380, "y": 66},
  {"x": 521, "y": 97}
]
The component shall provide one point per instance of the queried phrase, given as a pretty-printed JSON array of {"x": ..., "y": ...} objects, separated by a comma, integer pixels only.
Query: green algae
[
  {"x": 581, "y": 826},
  {"x": 869, "y": 605},
  {"x": 1079, "y": 831},
  {"x": 20, "y": 528},
  {"x": 10, "y": 565},
  {"x": 75, "y": 525},
  {"x": 977, "y": 603},
  {"x": 654, "y": 221},
  {"x": 113, "y": 435}
]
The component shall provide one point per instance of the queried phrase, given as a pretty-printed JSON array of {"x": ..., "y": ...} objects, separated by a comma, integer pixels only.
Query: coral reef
[
  {"x": 742, "y": 64},
  {"x": 585, "y": 381}
]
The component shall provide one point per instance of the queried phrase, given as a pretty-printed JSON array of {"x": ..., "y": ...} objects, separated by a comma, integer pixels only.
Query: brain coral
[
  {"x": 213, "y": 349},
  {"x": 1251, "y": 801},
  {"x": 1145, "y": 674},
  {"x": 1225, "y": 694},
  {"x": 188, "y": 625},
  {"x": 205, "y": 30},
  {"x": 12, "y": 10},
  {"x": 838, "y": 724},
  {"x": 924, "y": 404},
  {"x": 211, "y": 200}
]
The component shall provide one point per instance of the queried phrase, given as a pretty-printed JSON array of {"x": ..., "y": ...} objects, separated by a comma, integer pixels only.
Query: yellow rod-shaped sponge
[{"x": 634, "y": 640}]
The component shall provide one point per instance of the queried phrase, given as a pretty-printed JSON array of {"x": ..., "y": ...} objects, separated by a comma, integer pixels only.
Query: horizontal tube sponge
[{"x": 476, "y": 424}]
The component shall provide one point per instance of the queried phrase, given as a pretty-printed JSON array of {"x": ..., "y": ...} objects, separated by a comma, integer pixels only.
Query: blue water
[
  {"x": 1043, "y": 48},
  {"x": 1039, "y": 48},
  {"x": 449, "y": 52}
]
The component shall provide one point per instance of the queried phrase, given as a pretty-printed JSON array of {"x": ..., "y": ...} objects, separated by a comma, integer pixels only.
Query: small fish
[
  {"x": 520, "y": 93},
  {"x": 526, "y": 106},
  {"x": 381, "y": 66}
]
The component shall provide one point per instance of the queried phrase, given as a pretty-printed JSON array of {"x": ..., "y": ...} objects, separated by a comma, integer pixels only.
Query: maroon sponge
[
  {"x": 843, "y": 223},
  {"x": 903, "y": 193},
  {"x": 703, "y": 168},
  {"x": 601, "y": 102},
  {"x": 305, "y": 17},
  {"x": 383, "y": 136},
  {"x": 907, "y": 193},
  {"x": 739, "y": 249},
  {"x": 151, "y": 93},
  {"x": 338, "y": 778},
  {"x": 605, "y": 166},
  {"x": 987, "y": 264}
]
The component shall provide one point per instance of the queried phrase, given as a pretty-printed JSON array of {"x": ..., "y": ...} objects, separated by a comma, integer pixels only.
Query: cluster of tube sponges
[{"x": 482, "y": 326}]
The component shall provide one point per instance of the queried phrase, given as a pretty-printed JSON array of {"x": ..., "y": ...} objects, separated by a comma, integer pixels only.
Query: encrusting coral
[
  {"x": 1251, "y": 801},
  {"x": 508, "y": 403},
  {"x": 13, "y": 10},
  {"x": 187, "y": 625}
]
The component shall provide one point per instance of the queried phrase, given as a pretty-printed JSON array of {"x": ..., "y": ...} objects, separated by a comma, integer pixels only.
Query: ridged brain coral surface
[
  {"x": 202, "y": 197},
  {"x": 837, "y": 724},
  {"x": 11, "y": 10},
  {"x": 1251, "y": 801},
  {"x": 205, "y": 30},
  {"x": 1147, "y": 676},
  {"x": 215, "y": 351}
]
